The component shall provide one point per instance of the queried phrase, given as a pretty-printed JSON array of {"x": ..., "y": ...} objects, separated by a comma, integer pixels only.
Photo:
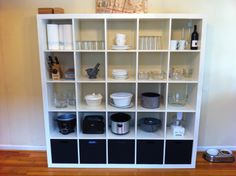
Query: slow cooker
[
  {"x": 93, "y": 124},
  {"x": 120, "y": 123},
  {"x": 66, "y": 123}
]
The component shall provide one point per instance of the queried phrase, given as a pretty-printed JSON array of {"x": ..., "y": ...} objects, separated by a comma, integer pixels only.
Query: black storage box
[
  {"x": 93, "y": 124},
  {"x": 92, "y": 151}
]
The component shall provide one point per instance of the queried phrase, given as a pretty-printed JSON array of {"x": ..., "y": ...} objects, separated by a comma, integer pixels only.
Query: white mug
[
  {"x": 174, "y": 45},
  {"x": 120, "y": 39}
]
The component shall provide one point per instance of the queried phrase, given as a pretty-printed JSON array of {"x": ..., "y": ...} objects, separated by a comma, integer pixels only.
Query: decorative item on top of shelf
[
  {"x": 66, "y": 123},
  {"x": 93, "y": 124},
  {"x": 150, "y": 100},
  {"x": 150, "y": 124},
  {"x": 90, "y": 45},
  {"x": 151, "y": 75},
  {"x": 120, "y": 74},
  {"x": 121, "y": 6},
  {"x": 54, "y": 68},
  {"x": 92, "y": 72},
  {"x": 120, "y": 42},
  {"x": 219, "y": 155},
  {"x": 150, "y": 42},
  {"x": 178, "y": 99},
  {"x": 121, "y": 99},
  {"x": 59, "y": 36},
  {"x": 179, "y": 73},
  {"x": 56, "y": 10},
  {"x": 177, "y": 126},
  {"x": 93, "y": 99},
  {"x": 120, "y": 123}
]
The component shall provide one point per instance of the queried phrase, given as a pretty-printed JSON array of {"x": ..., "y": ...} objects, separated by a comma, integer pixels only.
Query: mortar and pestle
[{"x": 92, "y": 72}]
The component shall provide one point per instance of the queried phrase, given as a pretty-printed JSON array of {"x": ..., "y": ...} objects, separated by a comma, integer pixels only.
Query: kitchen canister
[{"x": 150, "y": 100}]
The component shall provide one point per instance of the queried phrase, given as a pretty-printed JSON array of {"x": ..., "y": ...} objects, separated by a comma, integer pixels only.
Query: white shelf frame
[{"x": 42, "y": 19}]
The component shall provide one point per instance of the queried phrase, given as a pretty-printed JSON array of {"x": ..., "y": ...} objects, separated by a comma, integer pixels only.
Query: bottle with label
[{"x": 194, "y": 39}]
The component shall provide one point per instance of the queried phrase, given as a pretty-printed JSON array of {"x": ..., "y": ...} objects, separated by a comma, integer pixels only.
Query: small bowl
[
  {"x": 226, "y": 152},
  {"x": 93, "y": 99},
  {"x": 150, "y": 124},
  {"x": 121, "y": 99},
  {"x": 119, "y": 72},
  {"x": 212, "y": 152}
]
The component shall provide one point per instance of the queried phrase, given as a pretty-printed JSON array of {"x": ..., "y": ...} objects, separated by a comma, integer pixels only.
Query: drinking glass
[
  {"x": 143, "y": 75},
  {"x": 141, "y": 42},
  {"x": 60, "y": 100},
  {"x": 78, "y": 45}
]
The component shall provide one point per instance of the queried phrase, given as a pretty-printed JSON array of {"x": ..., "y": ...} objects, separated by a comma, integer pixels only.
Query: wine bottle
[{"x": 194, "y": 39}]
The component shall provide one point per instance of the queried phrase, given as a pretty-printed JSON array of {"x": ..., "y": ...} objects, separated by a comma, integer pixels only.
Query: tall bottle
[{"x": 194, "y": 39}]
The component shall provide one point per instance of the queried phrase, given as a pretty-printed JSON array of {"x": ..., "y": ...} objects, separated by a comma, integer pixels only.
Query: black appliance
[
  {"x": 66, "y": 123},
  {"x": 93, "y": 124}
]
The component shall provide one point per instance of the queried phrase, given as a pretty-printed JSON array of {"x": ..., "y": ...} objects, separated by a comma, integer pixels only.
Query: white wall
[{"x": 21, "y": 116}]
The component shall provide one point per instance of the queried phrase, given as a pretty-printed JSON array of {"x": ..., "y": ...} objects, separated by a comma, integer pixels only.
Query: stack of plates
[
  {"x": 120, "y": 74},
  {"x": 120, "y": 47}
]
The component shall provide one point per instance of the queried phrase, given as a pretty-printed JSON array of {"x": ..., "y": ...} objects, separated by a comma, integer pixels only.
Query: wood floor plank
[{"x": 34, "y": 163}]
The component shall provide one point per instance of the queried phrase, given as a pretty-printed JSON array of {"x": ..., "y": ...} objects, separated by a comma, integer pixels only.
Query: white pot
[
  {"x": 93, "y": 99},
  {"x": 121, "y": 99}
]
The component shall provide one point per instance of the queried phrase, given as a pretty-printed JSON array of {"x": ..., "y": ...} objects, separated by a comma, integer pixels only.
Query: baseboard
[
  {"x": 43, "y": 148},
  {"x": 204, "y": 148},
  {"x": 22, "y": 147}
]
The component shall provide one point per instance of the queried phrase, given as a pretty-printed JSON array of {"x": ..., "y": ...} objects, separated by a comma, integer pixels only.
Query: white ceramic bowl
[
  {"x": 121, "y": 99},
  {"x": 93, "y": 99},
  {"x": 212, "y": 152},
  {"x": 120, "y": 77},
  {"x": 119, "y": 72}
]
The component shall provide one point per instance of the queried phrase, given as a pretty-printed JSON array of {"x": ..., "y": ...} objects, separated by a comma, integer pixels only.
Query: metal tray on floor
[{"x": 223, "y": 156}]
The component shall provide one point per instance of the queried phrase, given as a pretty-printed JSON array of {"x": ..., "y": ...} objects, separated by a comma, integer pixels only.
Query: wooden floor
[{"x": 31, "y": 163}]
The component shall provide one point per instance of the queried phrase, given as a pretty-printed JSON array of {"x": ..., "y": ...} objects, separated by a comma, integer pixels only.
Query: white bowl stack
[{"x": 119, "y": 74}]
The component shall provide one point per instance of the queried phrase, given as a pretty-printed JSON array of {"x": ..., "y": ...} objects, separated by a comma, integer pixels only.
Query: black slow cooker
[{"x": 66, "y": 123}]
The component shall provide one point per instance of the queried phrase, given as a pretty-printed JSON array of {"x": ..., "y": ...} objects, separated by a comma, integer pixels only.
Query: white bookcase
[{"x": 140, "y": 149}]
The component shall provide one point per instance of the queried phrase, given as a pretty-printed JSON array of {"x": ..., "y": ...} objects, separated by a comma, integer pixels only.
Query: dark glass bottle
[{"x": 194, "y": 39}]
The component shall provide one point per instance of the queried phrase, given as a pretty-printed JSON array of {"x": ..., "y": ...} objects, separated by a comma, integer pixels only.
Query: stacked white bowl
[{"x": 119, "y": 74}]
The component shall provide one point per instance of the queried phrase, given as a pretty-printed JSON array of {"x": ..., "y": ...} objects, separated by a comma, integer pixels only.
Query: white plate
[
  {"x": 123, "y": 107},
  {"x": 116, "y": 47},
  {"x": 120, "y": 77}
]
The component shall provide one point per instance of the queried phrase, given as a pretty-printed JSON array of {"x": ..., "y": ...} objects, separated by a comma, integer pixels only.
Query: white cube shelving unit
[{"x": 137, "y": 149}]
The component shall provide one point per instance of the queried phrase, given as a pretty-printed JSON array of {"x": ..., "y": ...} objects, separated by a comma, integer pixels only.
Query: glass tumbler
[
  {"x": 143, "y": 75},
  {"x": 141, "y": 42},
  {"x": 78, "y": 45},
  {"x": 60, "y": 100}
]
